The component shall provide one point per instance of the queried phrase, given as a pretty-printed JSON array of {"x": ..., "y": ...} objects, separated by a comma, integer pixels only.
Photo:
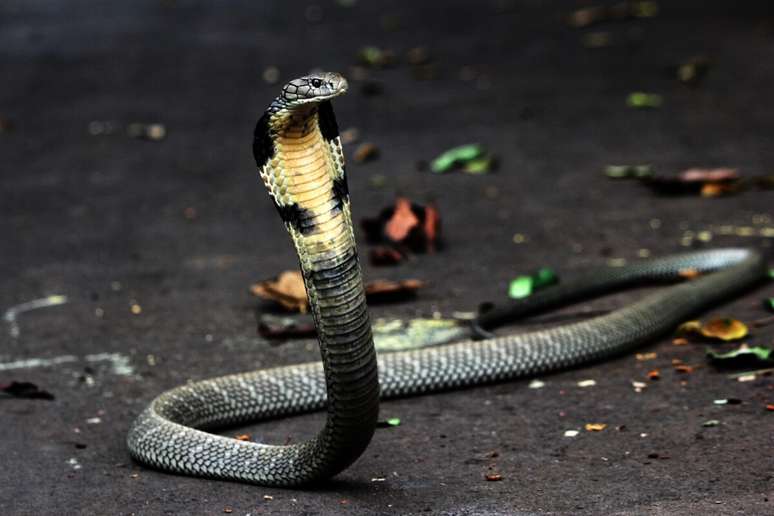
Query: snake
[{"x": 300, "y": 160}]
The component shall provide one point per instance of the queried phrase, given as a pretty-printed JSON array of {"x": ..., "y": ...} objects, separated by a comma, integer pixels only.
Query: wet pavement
[{"x": 154, "y": 243}]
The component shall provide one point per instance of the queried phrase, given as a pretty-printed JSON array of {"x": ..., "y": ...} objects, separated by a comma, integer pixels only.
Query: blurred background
[{"x": 128, "y": 186}]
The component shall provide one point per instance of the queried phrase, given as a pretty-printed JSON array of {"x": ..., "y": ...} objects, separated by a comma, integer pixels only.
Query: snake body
[{"x": 300, "y": 160}]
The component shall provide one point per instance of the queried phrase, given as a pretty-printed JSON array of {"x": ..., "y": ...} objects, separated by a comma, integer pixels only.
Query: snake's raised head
[{"x": 313, "y": 88}]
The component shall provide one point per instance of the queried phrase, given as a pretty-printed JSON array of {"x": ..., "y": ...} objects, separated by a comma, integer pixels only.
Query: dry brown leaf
[
  {"x": 288, "y": 290},
  {"x": 402, "y": 221},
  {"x": 722, "y": 328},
  {"x": 595, "y": 427},
  {"x": 366, "y": 152},
  {"x": 709, "y": 175},
  {"x": 379, "y": 290}
]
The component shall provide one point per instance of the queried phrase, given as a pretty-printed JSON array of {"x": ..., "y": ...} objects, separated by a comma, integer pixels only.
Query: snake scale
[{"x": 300, "y": 160}]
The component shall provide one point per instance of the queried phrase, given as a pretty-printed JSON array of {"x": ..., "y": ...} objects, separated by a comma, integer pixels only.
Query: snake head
[{"x": 313, "y": 88}]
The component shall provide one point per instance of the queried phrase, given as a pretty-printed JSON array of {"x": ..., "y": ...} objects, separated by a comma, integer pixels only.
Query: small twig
[{"x": 748, "y": 373}]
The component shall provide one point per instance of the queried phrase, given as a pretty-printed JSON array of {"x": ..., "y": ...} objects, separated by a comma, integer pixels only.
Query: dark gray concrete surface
[{"x": 101, "y": 219}]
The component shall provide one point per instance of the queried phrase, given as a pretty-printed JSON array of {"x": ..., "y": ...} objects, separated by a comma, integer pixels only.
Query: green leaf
[
  {"x": 520, "y": 287},
  {"x": 743, "y": 355},
  {"x": 640, "y": 100},
  {"x": 710, "y": 423},
  {"x": 456, "y": 156},
  {"x": 544, "y": 277},
  {"x": 769, "y": 303},
  {"x": 771, "y": 273},
  {"x": 524, "y": 286},
  {"x": 387, "y": 423},
  {"x": 478, "y": 166}
]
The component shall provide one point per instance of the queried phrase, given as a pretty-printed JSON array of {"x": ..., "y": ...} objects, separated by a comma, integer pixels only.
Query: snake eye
[{"x": 316, "y": 83}]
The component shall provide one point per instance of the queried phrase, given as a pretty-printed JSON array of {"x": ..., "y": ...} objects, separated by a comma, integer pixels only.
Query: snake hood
[{"x": 313, "y": 88}]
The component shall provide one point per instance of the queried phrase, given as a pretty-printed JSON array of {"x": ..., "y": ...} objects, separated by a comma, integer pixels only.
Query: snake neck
[{"x": 305, "y": 177}]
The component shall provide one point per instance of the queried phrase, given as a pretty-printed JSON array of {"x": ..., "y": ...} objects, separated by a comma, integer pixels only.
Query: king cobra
[{"x": 300, "y": 160}]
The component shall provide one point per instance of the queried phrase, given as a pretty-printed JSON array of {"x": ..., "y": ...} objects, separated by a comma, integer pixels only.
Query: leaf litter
[{"x": 288, "y": 290}]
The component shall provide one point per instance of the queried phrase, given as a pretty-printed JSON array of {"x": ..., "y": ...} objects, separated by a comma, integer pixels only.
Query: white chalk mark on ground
[
  {"x": 120, "y": 364},
  {"x": 11, "y": 314}
]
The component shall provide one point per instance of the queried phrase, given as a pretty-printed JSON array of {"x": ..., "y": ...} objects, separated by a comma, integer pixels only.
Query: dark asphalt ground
[{"x": 181, "y": 229}]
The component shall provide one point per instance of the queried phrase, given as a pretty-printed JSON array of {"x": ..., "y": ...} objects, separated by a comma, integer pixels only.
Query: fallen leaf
[
  {"x": 288, "y": 290},
  {"x": 682, "y": 368},
  {"x": 405, "y": 226},
  {"x": 275, "y": 327},
  {"x": 708, "y": 182},
  {"x": 471, "y": 158},
  {"x": 401, "y": 335},
  {"x": 388, "y": 423},
  {"x": 401, "y": 223},
  {"x": 770, "y": 407},
  {"x": 711, "y": 422},
  {"x": 654, "y": 374},
  {"x": 646, "y": 356},
  {"x": 595, "y": 427},
  {"x": 243, "y": 437},
  {"x": 383, "y": 255},
  {"x": 689, "y": 327},
  {"x": 724, "y": 329},
  {"x": 25, "y": 390},
  {"x": 643, "y": 100},
  {"x": 743, "y": 356},
  {"x": 493, "y": 477},
  {"x": 705, "y": 175},
  {"x": 366, "y": 152},
  {"x": 717, "y": 189},
  {"x": 680, "y": 341},
  {"x": 524, "y": 286},
  {"x": 381, "y": 290},
  {"x": 479, "y": 165}
]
